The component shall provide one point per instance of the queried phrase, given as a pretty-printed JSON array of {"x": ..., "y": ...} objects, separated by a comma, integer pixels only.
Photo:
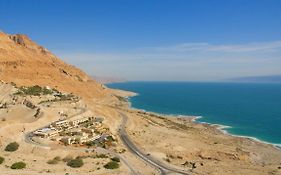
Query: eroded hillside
[{"x": 24, "y": 62}]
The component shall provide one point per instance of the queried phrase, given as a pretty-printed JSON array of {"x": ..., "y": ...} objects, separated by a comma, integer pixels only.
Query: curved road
[
  {"x": 164, "y": 169},
  {"x": 29, "y": 139},
  {"x": 29, "y": 135}
]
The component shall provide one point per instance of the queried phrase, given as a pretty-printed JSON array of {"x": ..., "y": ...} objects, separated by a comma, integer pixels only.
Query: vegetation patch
[
  {"x": 65, "y": 97},
  {"x": 61, "y": 97},
  {"x": 75, "y": 163},
  {"x": 90, "y": 143},
  {"x": 2, "y": 159},
  {"x": 18, "y": 165},
  {"x": 111, "y": 165},
  {"x": 11, "y": 147},
  {"x": 116, "y": 159},
  {"x": 101, "y": 156},
  {"x": 34, "y": 90}
]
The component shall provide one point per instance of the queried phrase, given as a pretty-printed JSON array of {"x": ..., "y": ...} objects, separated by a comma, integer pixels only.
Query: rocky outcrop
[
  {"x": 18, "y": 39},
  {"x": 26, "y": 42}
]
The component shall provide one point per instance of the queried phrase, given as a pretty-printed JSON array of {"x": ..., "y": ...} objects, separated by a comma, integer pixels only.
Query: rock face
[
  {"x": 24, "y": 62},
  {"x": 17, "y": 39}
]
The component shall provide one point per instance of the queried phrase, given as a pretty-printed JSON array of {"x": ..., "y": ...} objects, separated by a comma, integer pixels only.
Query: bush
[
  {"x": 111, "y": 165},
  {"x": 102, "y": 156},
  {"x": 11, "y": 147},
  {"x": 18, "y": 165},
  {"x": 90, "y": 143},
  {"x": 46, "y": 91},
  {"x": 75, "y": 163},
  {"x": 116, "y": 159},
  {"x": 1, "y": 159},
  {"x": 110, "y": 139}
]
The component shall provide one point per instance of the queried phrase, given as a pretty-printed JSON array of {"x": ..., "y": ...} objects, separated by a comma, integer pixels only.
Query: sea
[{"x": 244, "y": 109}]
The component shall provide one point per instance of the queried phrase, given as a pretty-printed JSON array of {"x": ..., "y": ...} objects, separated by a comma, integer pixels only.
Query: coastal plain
[{"x": 175, "y": 142}]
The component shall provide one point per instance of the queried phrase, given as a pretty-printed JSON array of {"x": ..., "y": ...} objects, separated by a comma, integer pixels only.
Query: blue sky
[{"x": 197, "y": 40}]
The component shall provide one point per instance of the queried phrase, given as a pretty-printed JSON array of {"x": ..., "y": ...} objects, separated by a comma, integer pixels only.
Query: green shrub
[
  {"x": 111, "y": 165},
  {"x": 46, "y": 91},
  {"x": 90, "y": 143},
  {"x": 1, "y": 159},
  {"x": 34, "y": 90},
  {"x": 75, "y": 163},
  {"x": 102, "y": 156},
  {"x": 110, "y": 139},
  {"x": 12, "y": 147},
  {"x": 18, "y": 165},
  {"x": 116, "y": 159}
]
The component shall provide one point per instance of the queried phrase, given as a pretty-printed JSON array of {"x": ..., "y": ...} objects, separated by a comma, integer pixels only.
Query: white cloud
[
  {"x": 206, "y": 47},
  {"x": 189, "y": 61}
]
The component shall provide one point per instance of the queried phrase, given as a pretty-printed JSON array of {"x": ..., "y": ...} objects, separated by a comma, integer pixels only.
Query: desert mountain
[{"x": 25, "y": 63}]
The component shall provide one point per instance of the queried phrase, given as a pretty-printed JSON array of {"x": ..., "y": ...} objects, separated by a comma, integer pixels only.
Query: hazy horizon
[{"x": 172, "y": 40}]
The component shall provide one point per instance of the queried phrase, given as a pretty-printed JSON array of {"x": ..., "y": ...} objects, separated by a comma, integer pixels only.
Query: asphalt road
[
  {"x": 29, "y": 136},
  {"x": 164, "y": 169},
  {"x": 29, "y": 139}
]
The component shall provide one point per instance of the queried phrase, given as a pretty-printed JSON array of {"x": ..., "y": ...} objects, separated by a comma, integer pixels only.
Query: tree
[
  {"x": 18, "y": 165},
  {"x": 116, "y": 159},
  {"x": 11, "y": 147},
  {"x": 75, "y": 163},
  {"x": 111, "y": 165},
  {"x": 2, "y": 159}
]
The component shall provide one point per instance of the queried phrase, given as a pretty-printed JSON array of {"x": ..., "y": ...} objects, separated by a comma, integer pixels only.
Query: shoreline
[{"x": 221, "y": 128}]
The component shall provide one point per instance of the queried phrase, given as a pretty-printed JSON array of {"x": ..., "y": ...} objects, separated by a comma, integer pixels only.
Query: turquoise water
[{"x": 252, "y": 110}]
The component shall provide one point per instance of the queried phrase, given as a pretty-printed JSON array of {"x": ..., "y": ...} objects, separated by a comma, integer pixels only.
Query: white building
[{"x": 46, "y": 133}]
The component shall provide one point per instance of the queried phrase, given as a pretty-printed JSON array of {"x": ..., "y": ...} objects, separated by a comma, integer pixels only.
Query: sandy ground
[
  {"x": 201, "y": 149},
  {"x": 20, "y": 120}
]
